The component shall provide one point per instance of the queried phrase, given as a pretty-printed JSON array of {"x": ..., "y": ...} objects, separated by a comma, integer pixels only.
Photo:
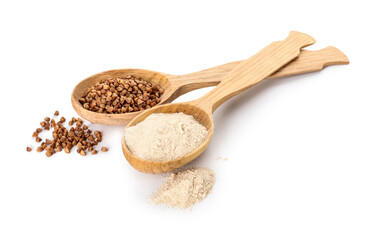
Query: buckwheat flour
[
  {"x": 165, "y": 136},
  {"x": 185, "y": 188}
]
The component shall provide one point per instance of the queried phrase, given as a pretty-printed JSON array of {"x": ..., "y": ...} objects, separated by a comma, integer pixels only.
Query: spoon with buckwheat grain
[
  {"x": 246, "y": 74},
  {"x": 177, "y": 85}
]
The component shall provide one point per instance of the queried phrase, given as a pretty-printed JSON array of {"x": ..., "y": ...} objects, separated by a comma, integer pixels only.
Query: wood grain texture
[
  {"x": 244, "y": 75},
  {"x": 255, "y": 69},
  {"x": 177, "y": 85}
]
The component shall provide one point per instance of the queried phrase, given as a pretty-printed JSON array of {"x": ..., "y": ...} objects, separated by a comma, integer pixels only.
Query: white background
[{"x": 299, "y": 149}]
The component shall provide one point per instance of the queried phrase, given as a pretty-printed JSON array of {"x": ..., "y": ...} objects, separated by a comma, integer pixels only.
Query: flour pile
[
  {"x": 185, "y": 188},
  {"x": 165, "y": 136}
]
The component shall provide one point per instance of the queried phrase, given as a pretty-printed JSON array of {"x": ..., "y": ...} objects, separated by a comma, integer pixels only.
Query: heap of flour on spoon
[{"x": 165, "y": 136}]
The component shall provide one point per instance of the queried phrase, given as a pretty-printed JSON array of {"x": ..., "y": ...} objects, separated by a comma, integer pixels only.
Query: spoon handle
[
  {"x": 255, "y": 69},
  {"x": 312, "y": 61},
  {"x": 307, "y": 61}
]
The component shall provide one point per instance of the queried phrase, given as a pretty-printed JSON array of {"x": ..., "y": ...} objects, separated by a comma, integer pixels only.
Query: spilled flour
[
  {"x": 165, "y": 136},
  {"x": 185, "y": 188}
]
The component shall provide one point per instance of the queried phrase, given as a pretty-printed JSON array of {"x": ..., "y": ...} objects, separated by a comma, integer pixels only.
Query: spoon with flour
[{"x": 248, "y": 73}]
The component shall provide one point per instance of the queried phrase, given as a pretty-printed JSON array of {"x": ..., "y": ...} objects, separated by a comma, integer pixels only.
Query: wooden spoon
[
  {"x": 177, "y": 85},
  {"x": 244, "y": 75}
]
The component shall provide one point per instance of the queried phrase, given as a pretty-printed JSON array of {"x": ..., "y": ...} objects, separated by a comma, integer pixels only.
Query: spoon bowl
[
  {"x": 246, "y": 74},
  {"x": 149, "y": 166},
  {"x": 116, "y": 119},
  {"x": 177, "y": 85}
]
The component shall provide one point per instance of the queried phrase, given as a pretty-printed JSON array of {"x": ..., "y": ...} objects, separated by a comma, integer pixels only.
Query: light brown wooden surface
[
  {"x": 244, "y": 75},
  {"x": 177, "y": 85},
  {"x": 307, "y": 61},
  {"x": 255, "y": 69}
]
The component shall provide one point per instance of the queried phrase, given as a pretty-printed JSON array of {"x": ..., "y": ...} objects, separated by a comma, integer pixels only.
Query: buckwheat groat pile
[
  {"x": 186, "y": 188},
  {"x": 165, "y": 136},
  {"x": 121, "y": 95},
  {"x": 78, "y": 135}
]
